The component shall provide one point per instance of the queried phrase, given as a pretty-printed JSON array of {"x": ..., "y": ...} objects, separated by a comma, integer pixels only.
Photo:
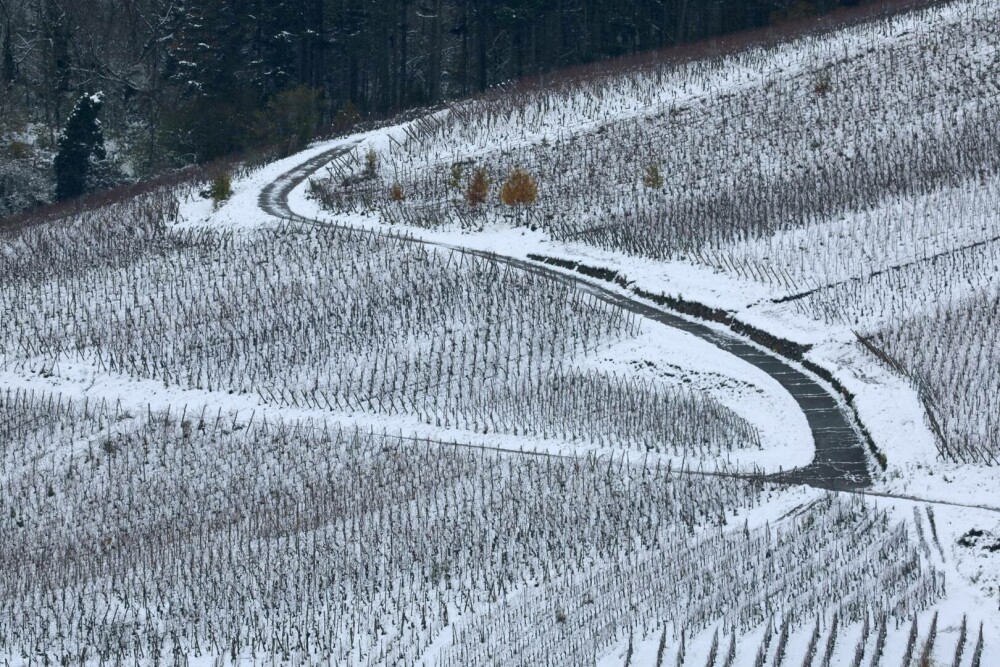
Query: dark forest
[{"x": 187, "y": 81}]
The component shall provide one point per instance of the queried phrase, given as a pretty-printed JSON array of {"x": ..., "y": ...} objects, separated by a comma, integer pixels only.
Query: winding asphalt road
[{"x": 841, "y": 461}]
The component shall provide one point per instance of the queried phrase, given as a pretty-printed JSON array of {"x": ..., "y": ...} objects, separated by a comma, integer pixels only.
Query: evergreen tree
[
  {"x": 276, "y": 41},
  {"x": 208, "y": 61},
  {"x": 81, "y": 143},
  {"x": 8, "y": 67},
  {"x": 56, "y": 63}
]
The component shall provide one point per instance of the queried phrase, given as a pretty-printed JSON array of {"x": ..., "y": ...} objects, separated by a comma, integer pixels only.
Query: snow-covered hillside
[
  {"x": 835, "y": 186},
  {"x": 231, "y": 438},
  {"x": 838, "y": 191}
]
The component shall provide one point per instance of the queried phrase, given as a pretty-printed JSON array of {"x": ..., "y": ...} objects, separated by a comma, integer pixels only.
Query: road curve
[{"x": 841, "y": 461}]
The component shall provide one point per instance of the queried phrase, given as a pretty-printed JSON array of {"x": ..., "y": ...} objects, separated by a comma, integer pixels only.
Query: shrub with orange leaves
[
  {"x": 479, "y": 188},
  {"x": 520, "y": 189}
]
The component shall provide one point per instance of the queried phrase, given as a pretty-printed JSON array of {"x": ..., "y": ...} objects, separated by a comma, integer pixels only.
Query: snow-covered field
[
  {"x": 191, "y": 534},
  {"x": 806, "y": 172},
  {"x": 227, "y": 438},
  {"x": 831, "y": 188}
]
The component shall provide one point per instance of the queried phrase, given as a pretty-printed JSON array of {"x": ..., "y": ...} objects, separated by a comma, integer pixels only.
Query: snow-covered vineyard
[
  {"x": 810, "y": 170},
  {"x": 346, "y": 322},
  {"x": 301, "y": 543},
  {"x": 319, "y": 423}
]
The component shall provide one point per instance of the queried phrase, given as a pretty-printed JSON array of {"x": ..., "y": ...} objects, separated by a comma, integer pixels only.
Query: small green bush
[
  {"x": 221, "y": 188},
  {"x": 457, "y": 171},
  {"x": 371, "y": 163}
]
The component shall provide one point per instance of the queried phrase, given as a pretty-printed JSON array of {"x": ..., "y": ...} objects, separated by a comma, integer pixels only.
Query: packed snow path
[{"x": 840, "y": 463}]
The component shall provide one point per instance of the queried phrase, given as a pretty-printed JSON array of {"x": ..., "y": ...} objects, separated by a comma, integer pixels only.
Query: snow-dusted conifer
[{"x": 81, "y": 144}]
